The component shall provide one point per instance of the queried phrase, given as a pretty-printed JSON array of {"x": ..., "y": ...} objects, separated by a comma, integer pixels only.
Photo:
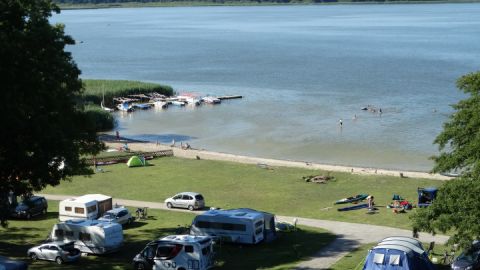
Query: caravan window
[
  {"x": 189, "y": 249},
  {"x": 68, "y": 208},
  {"x": 149, "y": 251},
  {"x": 206, "y": 250},
  {"x": 79, "y": 210},
  {"x": 259, "y": 230},
  {"x": 59, "y": 233},
  {"x": 259, "y": 223},
  {"x": 84, "y": 236},
  {"x": 168, "y": 252},
  {"x": 221, "y": 226},
  {"x": 91, "y": 209}
]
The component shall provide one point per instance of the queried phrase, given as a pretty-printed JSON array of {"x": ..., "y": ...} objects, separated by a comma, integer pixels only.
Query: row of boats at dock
[{"x": 147, "y": 101}]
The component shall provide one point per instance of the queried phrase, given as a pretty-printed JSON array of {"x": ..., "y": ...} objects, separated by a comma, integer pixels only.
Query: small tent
[
  {"x": 136, "y": 161},
  {"x": 397, "y": 255}
]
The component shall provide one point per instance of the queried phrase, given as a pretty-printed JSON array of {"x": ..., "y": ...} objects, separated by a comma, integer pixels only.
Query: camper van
[
  {"x": 90, "y": 236},
  {"x": 243, "y": 225},
  {"x": 90, "y": 206},
  {"x": 180, "y": 252}
]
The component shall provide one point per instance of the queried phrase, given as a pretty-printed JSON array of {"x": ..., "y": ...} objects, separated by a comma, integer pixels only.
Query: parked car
[
  {"x": 180, "y": 252},
  {"x": 468, "y": 260},
  {"x": 32, "y": 206},
  {"x": 189, "y": 200},
  {"x": 59, "y": 252},
  {"x": 120, "y": 215},
  {"x": 10, "y": 264}
]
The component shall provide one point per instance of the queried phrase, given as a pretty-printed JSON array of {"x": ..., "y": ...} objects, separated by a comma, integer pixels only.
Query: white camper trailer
[
  {"x": 177, "y": 252},
  {"x": 90, "y": 236},
  {"x": 241, "y": 225},
  {"x": 90, "y": 206}
]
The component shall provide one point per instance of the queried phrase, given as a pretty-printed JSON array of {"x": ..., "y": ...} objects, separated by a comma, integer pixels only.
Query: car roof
[
  {"x": 58, "y": 243},
  {"x": 34, "y": 198},
  {"x": 188, "y": 193},
  {"x": 117, "y": 210}
]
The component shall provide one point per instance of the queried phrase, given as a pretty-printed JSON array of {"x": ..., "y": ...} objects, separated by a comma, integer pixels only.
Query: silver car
[
  {"x": 59, "y": 252},
  {"x": 189, "y": 200},
  {"x": 120, "y": 215}
]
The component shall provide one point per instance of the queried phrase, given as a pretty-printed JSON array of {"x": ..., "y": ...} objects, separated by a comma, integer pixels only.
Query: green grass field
[
  {"x": 228, "y": 185},
  {"x": 283, "y": 253}
]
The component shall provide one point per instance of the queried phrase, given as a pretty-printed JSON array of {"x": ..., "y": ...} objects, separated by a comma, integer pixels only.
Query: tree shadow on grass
[{"x": 288, "y": 248}]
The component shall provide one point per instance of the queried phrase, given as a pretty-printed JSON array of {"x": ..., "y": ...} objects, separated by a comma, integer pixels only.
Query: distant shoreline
[
  {"x": 242, "y": 3},
  {"x": 135, "y": 145}
]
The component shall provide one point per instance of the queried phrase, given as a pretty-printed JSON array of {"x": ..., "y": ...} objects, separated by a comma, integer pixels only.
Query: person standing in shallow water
[{"x": 340, "y": 122}]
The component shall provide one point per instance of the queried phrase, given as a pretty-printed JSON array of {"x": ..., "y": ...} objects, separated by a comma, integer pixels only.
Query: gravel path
[{"x": 349, "y": 235}]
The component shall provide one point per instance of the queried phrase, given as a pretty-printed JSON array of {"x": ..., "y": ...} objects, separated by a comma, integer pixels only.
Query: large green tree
[
  {"x": 457, "y": 207},
  {"x": 44, "y": 130}
]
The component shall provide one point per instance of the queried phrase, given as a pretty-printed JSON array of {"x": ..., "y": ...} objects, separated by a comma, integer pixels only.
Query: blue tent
[
  {"x": 426, "y": 196},
  {"x": 397, "y": 255}
]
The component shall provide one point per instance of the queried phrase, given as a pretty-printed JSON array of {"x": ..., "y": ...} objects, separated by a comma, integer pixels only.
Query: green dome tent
[{"x": 136, "y": 161}]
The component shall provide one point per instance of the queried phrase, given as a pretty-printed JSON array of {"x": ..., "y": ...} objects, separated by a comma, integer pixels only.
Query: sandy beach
[{"x": 193, "y": 153}]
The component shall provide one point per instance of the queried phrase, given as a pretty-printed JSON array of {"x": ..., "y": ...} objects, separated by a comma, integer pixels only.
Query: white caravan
[
  {"x": 180, "y": 252},
  {"x": 243, "y": 225},
  {"x": 90, "y": 236},
  {"x": 90, "y": 206}
]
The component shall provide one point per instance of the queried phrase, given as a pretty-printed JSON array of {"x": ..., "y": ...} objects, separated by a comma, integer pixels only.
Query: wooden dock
[{"x": 229, "y": 97}]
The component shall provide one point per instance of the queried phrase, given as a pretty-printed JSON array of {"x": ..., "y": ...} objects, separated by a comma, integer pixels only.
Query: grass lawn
[
  {"x": 283, "y": 253},
  {"x": 228, "y": 185},
  {"x": 355, "y": 259}
]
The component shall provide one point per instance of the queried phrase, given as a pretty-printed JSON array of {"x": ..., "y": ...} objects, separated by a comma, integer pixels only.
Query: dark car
[
  {"x": 32, "y": 206},
  {"x": 9, "y": 264},
  {"x": 469, "y": 260}
]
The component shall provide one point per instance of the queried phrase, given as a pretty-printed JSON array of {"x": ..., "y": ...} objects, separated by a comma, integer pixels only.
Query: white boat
[
  {"x": 193, "y": 101},
  {"x": 125, "y": 107},
  {"x": 211, "y": 100},
  {"x": 142, "y": 106},
  {"x": 103, "y": 102},
  {"x": 189, "y": 99},
  {"x": 160, "y": 104},
  {"x": 178, "y": 103},
  {"x": 106, "y": 108}
]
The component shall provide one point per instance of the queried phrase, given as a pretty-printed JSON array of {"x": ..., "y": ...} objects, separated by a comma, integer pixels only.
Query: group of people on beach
[{"x": 183, "y": 146}]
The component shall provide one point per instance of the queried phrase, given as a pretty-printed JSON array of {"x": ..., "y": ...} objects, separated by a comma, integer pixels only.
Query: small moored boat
[
  {"x": 211, "y": 100},
  {"x": 357, "y": 198},
  {"x": 125, "y": 107},
  {"x": 178, "y": 103}
]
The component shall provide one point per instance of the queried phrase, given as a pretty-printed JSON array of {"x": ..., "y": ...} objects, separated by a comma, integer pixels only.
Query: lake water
[{"x": 300, "y": 69}]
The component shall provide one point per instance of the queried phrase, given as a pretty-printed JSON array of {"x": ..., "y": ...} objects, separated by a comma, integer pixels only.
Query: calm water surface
[{"x": 301, "y": 70}]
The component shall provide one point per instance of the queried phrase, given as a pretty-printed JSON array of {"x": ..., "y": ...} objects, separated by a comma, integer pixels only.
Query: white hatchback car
[
  {"x": 119, "y": 215},
  {"x": 189, "y": 200}
]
